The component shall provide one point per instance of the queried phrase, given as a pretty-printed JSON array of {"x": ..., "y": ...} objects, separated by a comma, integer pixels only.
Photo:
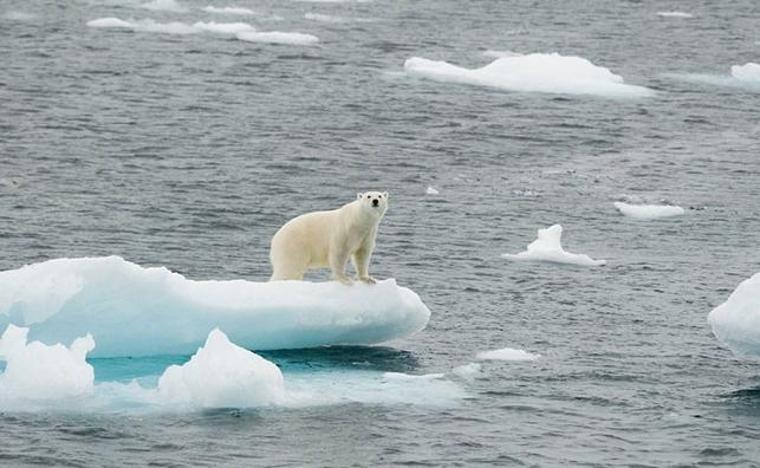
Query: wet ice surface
[{"x": 189, "y": 151}]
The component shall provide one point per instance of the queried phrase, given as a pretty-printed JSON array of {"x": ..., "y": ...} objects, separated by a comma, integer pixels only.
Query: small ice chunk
[
  {"x": 431, "y": 191},
  {"x": 648, "y": 211},
  {"x": 39, "y": 372},
  {"x": 109, "y": 23},
  {"x": 409, "y": 377},
  {"x": 467, "y": 372},
  {"x": 228, "y": 10},
  {"x": 223, "y": 28},
  {"x": 747, "y": 72},
  {"x": 223, "y": 375},
  {"x": 507, "y": 354},
  {"x": 548, "y": 248},
  {"x": 674, "y": 14},
  {"x": 545, "y": 73},
  {"x": 277, "y": 37},
  {"x": 18, "y": 16},
  {"x": 736, "y": 322},
  {"x": 163, "y": 5}
]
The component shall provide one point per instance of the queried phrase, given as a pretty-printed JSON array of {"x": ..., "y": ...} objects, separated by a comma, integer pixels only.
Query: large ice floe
[
  {"x": 548, "y": 73},
  {"x": 242, "y": 31},
  {"x": 136, "y": 311},
  {"x": 648, "y": 211},
  {"x": 736, "y": 322},
  {"x": 37, "y": 372},
  {"x": 548, "y": 248}
]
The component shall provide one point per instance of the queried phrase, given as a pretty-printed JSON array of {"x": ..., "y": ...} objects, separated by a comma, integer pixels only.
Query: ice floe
[
  {"x": 228, "y": 10},
  {"x": 223, "y": 375},
  {"x": 747, "y": 72},
  {"x": 277, "y": 37},
  {"x": 548, "y": 248},
  {"x": 507, "y": 354},
  {"x": 431, "y": 191},
  {"x": 136, "y": 311},
  {"x": 163, "y": 5},
  {"x": 38, "y": 372},
  {"x": 648, "y": 211},
  {"x": 736, "y": 322},
  {"x": 674, "y": 14},
  {"x": 548, "y": 73}
]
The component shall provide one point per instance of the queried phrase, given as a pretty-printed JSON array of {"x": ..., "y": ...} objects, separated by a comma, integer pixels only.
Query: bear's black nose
[{"x": 374, "y": 202}]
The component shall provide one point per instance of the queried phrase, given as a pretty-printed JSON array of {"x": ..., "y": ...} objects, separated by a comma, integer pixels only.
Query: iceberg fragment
[
  {"x": 736, "y": 322},
  {"x": 548, "y": 248}
]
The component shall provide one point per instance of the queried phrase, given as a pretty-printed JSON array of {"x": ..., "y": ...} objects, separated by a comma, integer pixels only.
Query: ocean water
[{"x": 189, "y": 151}]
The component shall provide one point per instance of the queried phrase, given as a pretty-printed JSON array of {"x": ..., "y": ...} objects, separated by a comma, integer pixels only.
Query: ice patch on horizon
[
  {"x": 228, "y": 10},
  {"x": 136, "y": 311},
  {"x": 648, "y": 211},
  {"x": 223, "y": 375},
  {"x": 546, "y": 73},
  {"x": 431, "y": 191},
  {"x": 507, "y": 354},
  {"x": 277, "y": 37},
  {"x": 674, "y": 14},
  {"x": 747, "y": 72},
  {"x": 736, "y": 322},
  {"x": 36, "y": 372},
  {"x": 548, "y": 248},
  {"x": 164, "y": 5}
]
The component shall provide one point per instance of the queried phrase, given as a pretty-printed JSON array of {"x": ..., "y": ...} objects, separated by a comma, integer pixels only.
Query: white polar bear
[{"x": 328, "y": 238}]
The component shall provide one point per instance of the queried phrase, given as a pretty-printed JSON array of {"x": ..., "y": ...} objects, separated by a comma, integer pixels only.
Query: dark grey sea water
[{"x": 189, "y": 151}]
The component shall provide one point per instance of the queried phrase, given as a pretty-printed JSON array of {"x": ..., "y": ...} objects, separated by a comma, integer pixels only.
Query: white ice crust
[
  {"x": 136, "y": 311},
  {"x": 747, "y": 72},
  {"x": 548, "y": 73},
  {"x": 648, "y": 211},
  {"x": 222, "y": 374},
  {"x": 548, "y": 248},
  {"x": 736, "y": 322},
  {"x": 38, "y": 372},
  {"x": 507, "y": 354}
]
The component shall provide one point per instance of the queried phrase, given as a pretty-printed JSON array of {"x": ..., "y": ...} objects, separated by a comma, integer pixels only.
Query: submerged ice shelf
[{"x": 136, "y": 311}]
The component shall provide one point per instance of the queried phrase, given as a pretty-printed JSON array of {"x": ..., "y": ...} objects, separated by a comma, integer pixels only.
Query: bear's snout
[{"x": 375, "y": 202}]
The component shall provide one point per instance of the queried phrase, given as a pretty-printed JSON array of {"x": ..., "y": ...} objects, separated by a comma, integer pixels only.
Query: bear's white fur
[{"x": 328, "y": 239}]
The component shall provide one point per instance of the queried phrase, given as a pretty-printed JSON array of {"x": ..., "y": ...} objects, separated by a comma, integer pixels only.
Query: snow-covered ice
[
  {"x": 548, "y": 73},
  {"x": 228, "y": 10},
  {"x": 277, "y": 37},
  {"x": 736, "y": 322},
  {"x": 747, "y": 72},
  {"x": 223, "y": 375},
  {"x": 648, "y": 211},
  {"x": 136, "y": 311},
  {"x": 38, "y": 372},
  {"x": 431, "y": 191},
  {"x": 163, "y": 5},
  {"x": 674, "y": 14},
  {"x": 548, "y": 248},
  {"x": 507, "y": 354}
]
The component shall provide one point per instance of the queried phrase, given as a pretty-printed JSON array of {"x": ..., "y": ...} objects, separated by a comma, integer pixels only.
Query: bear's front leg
[
  {"x": 338, "y": 261},
  {"x": 361, "y": 265}
]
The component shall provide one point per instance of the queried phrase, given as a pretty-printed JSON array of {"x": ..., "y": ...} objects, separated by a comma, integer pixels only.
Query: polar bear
[{"x": 328, "y": 239}]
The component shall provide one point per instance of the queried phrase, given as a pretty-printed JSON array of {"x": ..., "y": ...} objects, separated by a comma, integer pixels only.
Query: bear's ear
[
  {"x": 385, "y": 194},
  {"x": 359, "y": 195}
]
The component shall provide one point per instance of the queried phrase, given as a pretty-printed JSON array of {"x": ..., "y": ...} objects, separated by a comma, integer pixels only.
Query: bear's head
[{"x": 374, "y": 202}]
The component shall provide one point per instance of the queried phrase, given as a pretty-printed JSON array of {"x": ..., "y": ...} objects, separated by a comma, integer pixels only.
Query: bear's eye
[{"x": 367, "y": 196}]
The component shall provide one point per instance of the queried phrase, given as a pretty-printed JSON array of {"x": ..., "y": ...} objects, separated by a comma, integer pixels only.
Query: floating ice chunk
[
  {"x": 163, "y": 5},
  {"x": 549, "y": 73},
  {"x": 736, "y": 322},
  {"x": 675, "y": 14},
  {"x": 135, "y": 311},
  {"x": 408, "y": 377},
  {"x": 277, "y": 37},
  {"x": 507, "y": 354},
  {"x": 228, "y": 10},
  {"x": 18, "y": 16},
  {"x": 110, "y": 23},
  {"x": 324, "y": 18},
  {"x": 548, "y": 248},
  {"x": 223, "y": 375},
  {"x": 500, "y": 54},
  {"x": 223, "y": 28},
  {"x": 747, "y": 72},
  {"x": 467, "y": 372},
  {"x": 431, "y": 191},
  {"x": 38, "y": 372},
  {"x": 648, "y": 211}
]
